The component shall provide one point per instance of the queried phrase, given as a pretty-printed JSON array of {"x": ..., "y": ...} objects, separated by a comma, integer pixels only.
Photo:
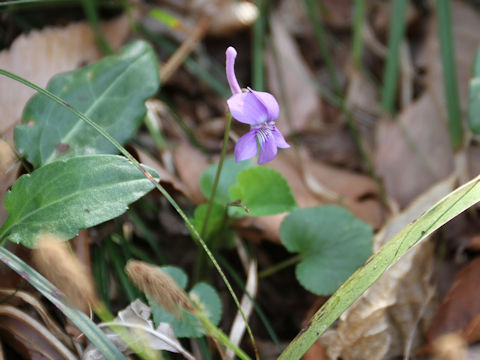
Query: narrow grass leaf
[
  {"x": 91, "y": 331},
  {"x": 390, "y": 75},
  {"x": 444, "y": 18},
  {"x": 445, "y": 210}
]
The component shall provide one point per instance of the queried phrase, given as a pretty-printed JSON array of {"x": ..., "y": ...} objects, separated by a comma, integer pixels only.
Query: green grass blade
[
  {"x": 445, "y": 210},
  {"x": 390, "y": 77},
  {"x": 196, "y": 236},
  {"x": 91, "y": 331},
  {"x": 358, "y": 21},
  {"x": 444, "y": 19},
  {"x": 258, "y": 43},
  {"x": 321, "y": 36}
]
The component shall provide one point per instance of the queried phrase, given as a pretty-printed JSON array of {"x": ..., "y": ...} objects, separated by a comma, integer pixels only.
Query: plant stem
[
  {"x": 196, "y": 236},
  {"x": 280, "y": 266},
  {"x": 397, "y": 29},
  {"x": 449, "y": 73},
  {"x": 219, "y": 335},
  {"x": 217, "y": 175},
  {"x": 358, "y": 21}
]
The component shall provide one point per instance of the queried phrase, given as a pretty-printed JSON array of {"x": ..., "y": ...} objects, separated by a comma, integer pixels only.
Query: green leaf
[
  {"x": 263, "y": 191},
  {"x": 177, "y": 274},
  {"x": 332, "y": 242},
  {"x": 112, "y": 92},
  {"x": 65, "y": 196},
  {"x": 187, "y": 324},
  {"x": 86, "y": 326},
  {"x": 206, "y": 296},
  {"x": 230, "y": 170},
  {"x": 215, "y": 222},
  {"x": 445, "y": 210},
  {"x": 474, "y": 97}
]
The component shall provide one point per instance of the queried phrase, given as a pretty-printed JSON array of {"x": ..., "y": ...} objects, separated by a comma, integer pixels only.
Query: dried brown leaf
[
  {"x": 29, "y": 338},
  {"x": 190, "y": 163},
  {"x": 288, "y": 73},
  {"x": 460, "y": 306},
  {"x": 414, "y": 152}
]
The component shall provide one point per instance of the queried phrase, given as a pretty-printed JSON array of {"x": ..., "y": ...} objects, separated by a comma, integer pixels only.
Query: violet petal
[
  {"x": 246, "y": 146},
  {"x": 231, "y": 54},
  {"x": 269, "y": 102},
  {"x": 268, "y": 150},
  {"x": 246, "y": 108},
  {"x": 279, "y": 139}
]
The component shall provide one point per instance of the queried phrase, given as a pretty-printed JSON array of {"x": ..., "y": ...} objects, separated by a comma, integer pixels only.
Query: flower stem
[
  {"x": 217, "y": 175},
  {"x": 196, "y": 236},
  {"x": 280, "y": 266}
]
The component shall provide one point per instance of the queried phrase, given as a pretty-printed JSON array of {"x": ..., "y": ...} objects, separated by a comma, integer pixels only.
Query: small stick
[{"x": 174, "y": 62}]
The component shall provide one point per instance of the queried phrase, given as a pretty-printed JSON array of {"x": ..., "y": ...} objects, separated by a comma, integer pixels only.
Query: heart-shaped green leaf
[
  {"x": 112, "y": 92},
  {"x": 230, "y": 170},
  {"x": 263, "y": 191},
  {"x": 68, "y": 195},
  {"x": 332, "y": 243}
]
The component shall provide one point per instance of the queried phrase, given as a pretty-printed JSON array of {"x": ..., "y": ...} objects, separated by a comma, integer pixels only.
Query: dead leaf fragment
[
  {"x": 414, "y": 152},
  {"x": 302, "y": 101},
  {"x": 460, "y": 306}
]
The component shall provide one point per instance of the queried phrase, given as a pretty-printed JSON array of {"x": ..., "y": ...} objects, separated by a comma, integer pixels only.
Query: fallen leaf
[
  {"x": 135, "y": 319},
  {"x": 190, "y": 164},
  {"x": 39, "y": 55},
  {"x": 460, "y": 306},
  {"x": 450, "y": 347},
  {"x": 295, "y": 86},
  {"x": 30, "y": 338},
  {"x": 383, "y": 322},
  {"x": 414, "y": 152}
]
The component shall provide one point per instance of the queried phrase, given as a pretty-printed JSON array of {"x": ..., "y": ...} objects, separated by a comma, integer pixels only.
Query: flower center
[{"x": 264, "y": 130}]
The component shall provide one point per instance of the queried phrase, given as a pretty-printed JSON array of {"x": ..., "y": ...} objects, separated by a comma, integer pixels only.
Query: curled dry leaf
[
  {"x": 383, "y": 321},
  {"x": 39, "y": 55},
  {"x": 29, "y": 338},
  {"x": 460, "y": 309},
  {"x": 135, "y": 318}
]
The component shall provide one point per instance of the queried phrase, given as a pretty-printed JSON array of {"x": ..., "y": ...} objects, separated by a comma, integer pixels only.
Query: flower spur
[{"x": 258, "y": 109}]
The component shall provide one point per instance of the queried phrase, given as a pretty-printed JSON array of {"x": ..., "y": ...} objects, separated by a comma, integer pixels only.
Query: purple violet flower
[{"x": 259, "y": 110}]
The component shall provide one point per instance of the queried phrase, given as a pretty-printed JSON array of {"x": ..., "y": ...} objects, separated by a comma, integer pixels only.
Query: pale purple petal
[
  {"x": 246, "y": 147},
  {"x": 268, "y": 150},
  {"x": 231, "y": 54},
  {"x": 246, "y": 108},
  {"x": 269, "y": 102},
  {"x": 279, "y": 139}
]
